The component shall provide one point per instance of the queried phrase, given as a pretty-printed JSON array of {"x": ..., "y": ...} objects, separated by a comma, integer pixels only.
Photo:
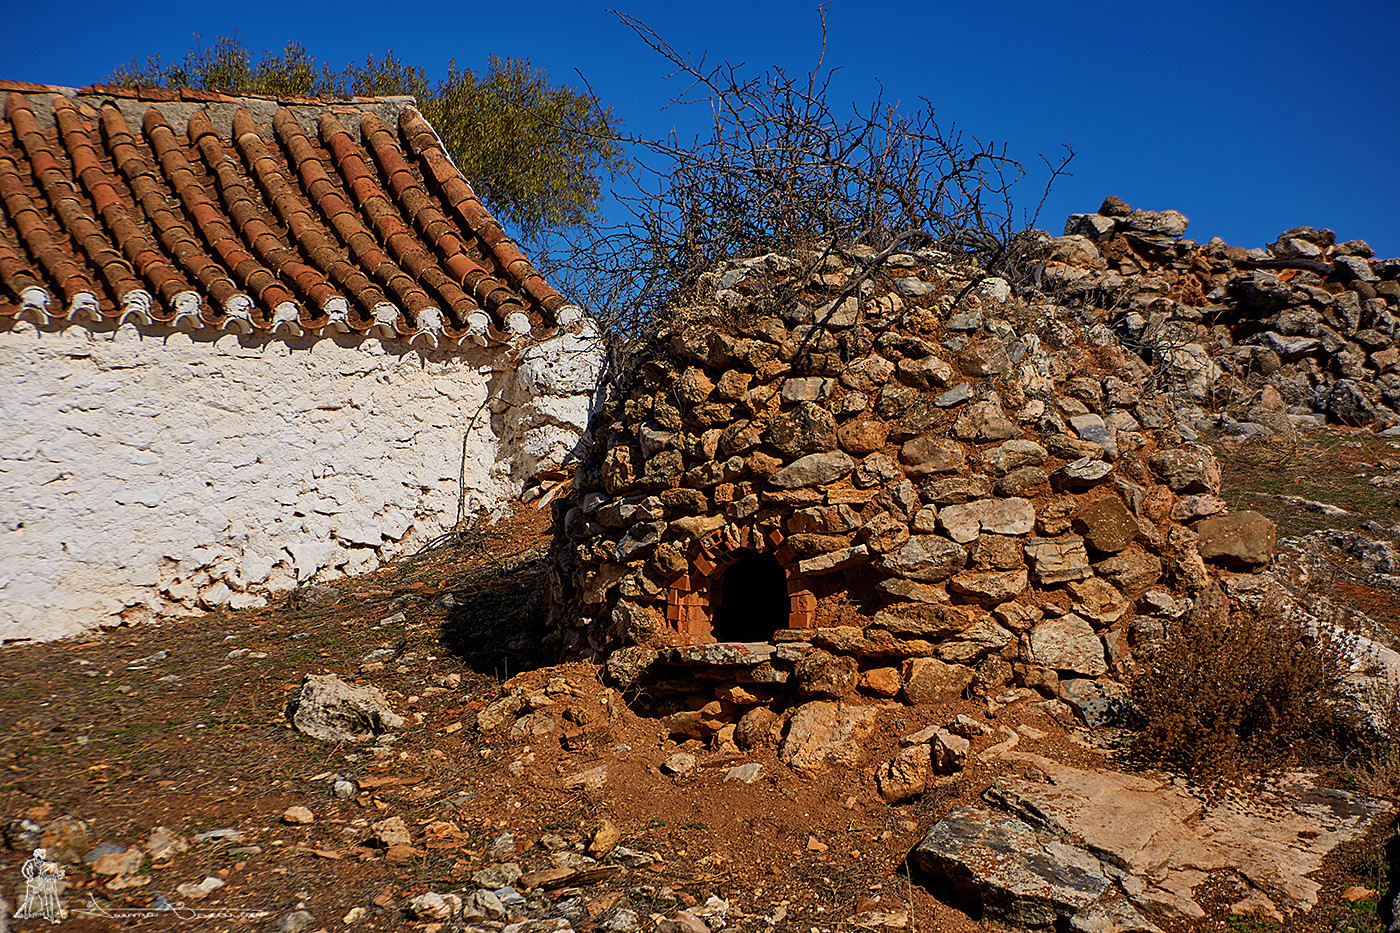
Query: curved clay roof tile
[
  {"x": 72, "y": 214},
  {"x": 301, "y": 223},
  {"x": 143, "y": 253},
  {"x": 157, "y": 203}
]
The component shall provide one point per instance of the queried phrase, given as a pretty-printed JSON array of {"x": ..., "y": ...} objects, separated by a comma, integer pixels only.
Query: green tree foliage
[{"x": 535, "y": 152}]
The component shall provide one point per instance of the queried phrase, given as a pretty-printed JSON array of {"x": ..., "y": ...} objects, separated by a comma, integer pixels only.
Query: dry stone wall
[
  {"x": 925, "y": 488},
  {"x": 147, "y": 470},
  {"x": 1301, "y": 331}
]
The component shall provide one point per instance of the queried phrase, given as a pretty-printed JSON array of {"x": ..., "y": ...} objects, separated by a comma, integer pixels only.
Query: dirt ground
[{"x": 182, "y": 724}]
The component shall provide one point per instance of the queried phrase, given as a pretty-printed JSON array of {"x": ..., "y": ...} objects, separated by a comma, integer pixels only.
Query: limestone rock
[
  {"x": 927, "y": 558},
  {"x": 1167, "y": 840},
  {"x": 329, "y": 709},
  {"x": 1106, "y": 524},
  {"x": 821, "y": 674},
  {"x": 926, "y": 372},
  {"x": 984, "y": 358},
  {"x": 807, "y": 429},
  {"x": 1057, "y": 560},
  {"x": 964, "y": 523},
  {"x": 1240, "y": 539},
  {"x": 1014, "y": 874},
  {"x": 982, "y": 637},
  {"x": 881, "y": 681},
  {"x": 1024, "y": 482},
  {"x": 1012, "y": 455},
  {"x": 983, "y": 422},
  {"x": 905, "y": 776},
  {"x": 825, "y": 734},
  {"x": 929, "y": 681},
  {"x": 1132, "y": 570},
  {"x": 922, "y": 619},
  {"x": 812, "y": 470},
  {"x": 626, "y": 665},
  {"x": 885, "y": 533},
  {"x": 929, "y": 454},
  {"x": 1068, "y": 644},
  {"x": 862, "y": 436},
  {"x": 1187, "y": 470},
  {"x": 391, "y": 832},
  {"x": 990, "y": 588},
  {"x": 949, "y": 751},
  {"x": 1099, "y": 600},
  {"x": 1098, "y": 703}
]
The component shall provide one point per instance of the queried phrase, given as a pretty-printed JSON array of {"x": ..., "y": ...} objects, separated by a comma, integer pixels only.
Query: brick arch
[{"x": 691, "y": 597}]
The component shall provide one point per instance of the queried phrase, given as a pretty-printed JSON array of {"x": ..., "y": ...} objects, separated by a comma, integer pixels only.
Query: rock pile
[
  {"x": 1305, "y": 323},
  {"x": 905, "y": 484}
]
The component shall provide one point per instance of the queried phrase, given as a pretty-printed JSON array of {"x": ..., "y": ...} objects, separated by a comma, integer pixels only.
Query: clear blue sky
[{"x": 1248, "y": 117}]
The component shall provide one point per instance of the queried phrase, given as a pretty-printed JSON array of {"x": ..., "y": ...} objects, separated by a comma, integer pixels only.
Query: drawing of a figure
[{"x": 41, "y": 889}]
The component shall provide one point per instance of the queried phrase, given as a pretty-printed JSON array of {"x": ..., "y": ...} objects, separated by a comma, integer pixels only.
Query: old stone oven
[{"x": 864, "y": 483}]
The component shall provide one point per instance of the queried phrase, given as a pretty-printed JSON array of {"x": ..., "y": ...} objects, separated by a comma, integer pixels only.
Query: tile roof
[{"x": 195, "y": 209}]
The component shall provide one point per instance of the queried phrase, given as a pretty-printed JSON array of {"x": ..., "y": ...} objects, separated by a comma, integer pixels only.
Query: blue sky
[{"x": 1248, "y": 117}]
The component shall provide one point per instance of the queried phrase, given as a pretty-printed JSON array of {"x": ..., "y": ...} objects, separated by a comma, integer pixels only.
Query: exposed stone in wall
[{"x": 164, "y": 472}]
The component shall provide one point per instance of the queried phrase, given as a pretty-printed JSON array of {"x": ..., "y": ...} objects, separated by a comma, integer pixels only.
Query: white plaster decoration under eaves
[{"x": 152, "y": 470}]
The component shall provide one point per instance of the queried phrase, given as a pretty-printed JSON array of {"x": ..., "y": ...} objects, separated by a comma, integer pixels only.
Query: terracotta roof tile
[{"x": 266, "y": 227}]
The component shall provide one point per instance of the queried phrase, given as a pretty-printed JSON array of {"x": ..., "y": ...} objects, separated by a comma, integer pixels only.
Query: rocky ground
[{"x": 159, "y": 766}]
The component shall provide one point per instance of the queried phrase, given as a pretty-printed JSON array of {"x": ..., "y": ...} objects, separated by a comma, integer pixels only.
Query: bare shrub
[
  {"x": 785, "y": 168},
  {"x": 1238, "y": 690}
]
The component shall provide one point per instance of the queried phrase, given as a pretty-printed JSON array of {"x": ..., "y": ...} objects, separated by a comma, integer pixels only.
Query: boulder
[
  {"x": 1010, "y": 872},
  {"x": 825, "y": 734},
  {"x": 1240, "y": 539},
  {"x": 929, "y": 681},
  {"x": 329, "y": 709}
]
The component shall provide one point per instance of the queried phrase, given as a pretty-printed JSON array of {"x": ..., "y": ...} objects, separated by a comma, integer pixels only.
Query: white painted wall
[{"x": 150, "y": 471}]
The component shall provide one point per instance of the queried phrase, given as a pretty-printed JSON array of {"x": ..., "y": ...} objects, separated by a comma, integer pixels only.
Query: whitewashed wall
[{"x": 164, "y": 472}]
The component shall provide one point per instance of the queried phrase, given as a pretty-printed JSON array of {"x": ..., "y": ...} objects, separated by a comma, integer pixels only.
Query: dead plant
[{"x": 1236, "y": 691}]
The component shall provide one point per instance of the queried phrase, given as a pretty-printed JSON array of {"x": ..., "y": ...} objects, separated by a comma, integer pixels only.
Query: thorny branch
[{"x": 782, "y": 171}]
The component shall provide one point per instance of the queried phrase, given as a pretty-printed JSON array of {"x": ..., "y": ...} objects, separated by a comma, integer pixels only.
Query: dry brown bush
[{"x": 1238, "y": 691}]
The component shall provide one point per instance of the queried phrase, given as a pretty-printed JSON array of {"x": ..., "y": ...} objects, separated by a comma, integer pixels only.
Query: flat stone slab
[
  {"x": 1165, "y": 836},
  {"x": 725, "y": 654},
  {"x": 1014, "y": 873}
]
